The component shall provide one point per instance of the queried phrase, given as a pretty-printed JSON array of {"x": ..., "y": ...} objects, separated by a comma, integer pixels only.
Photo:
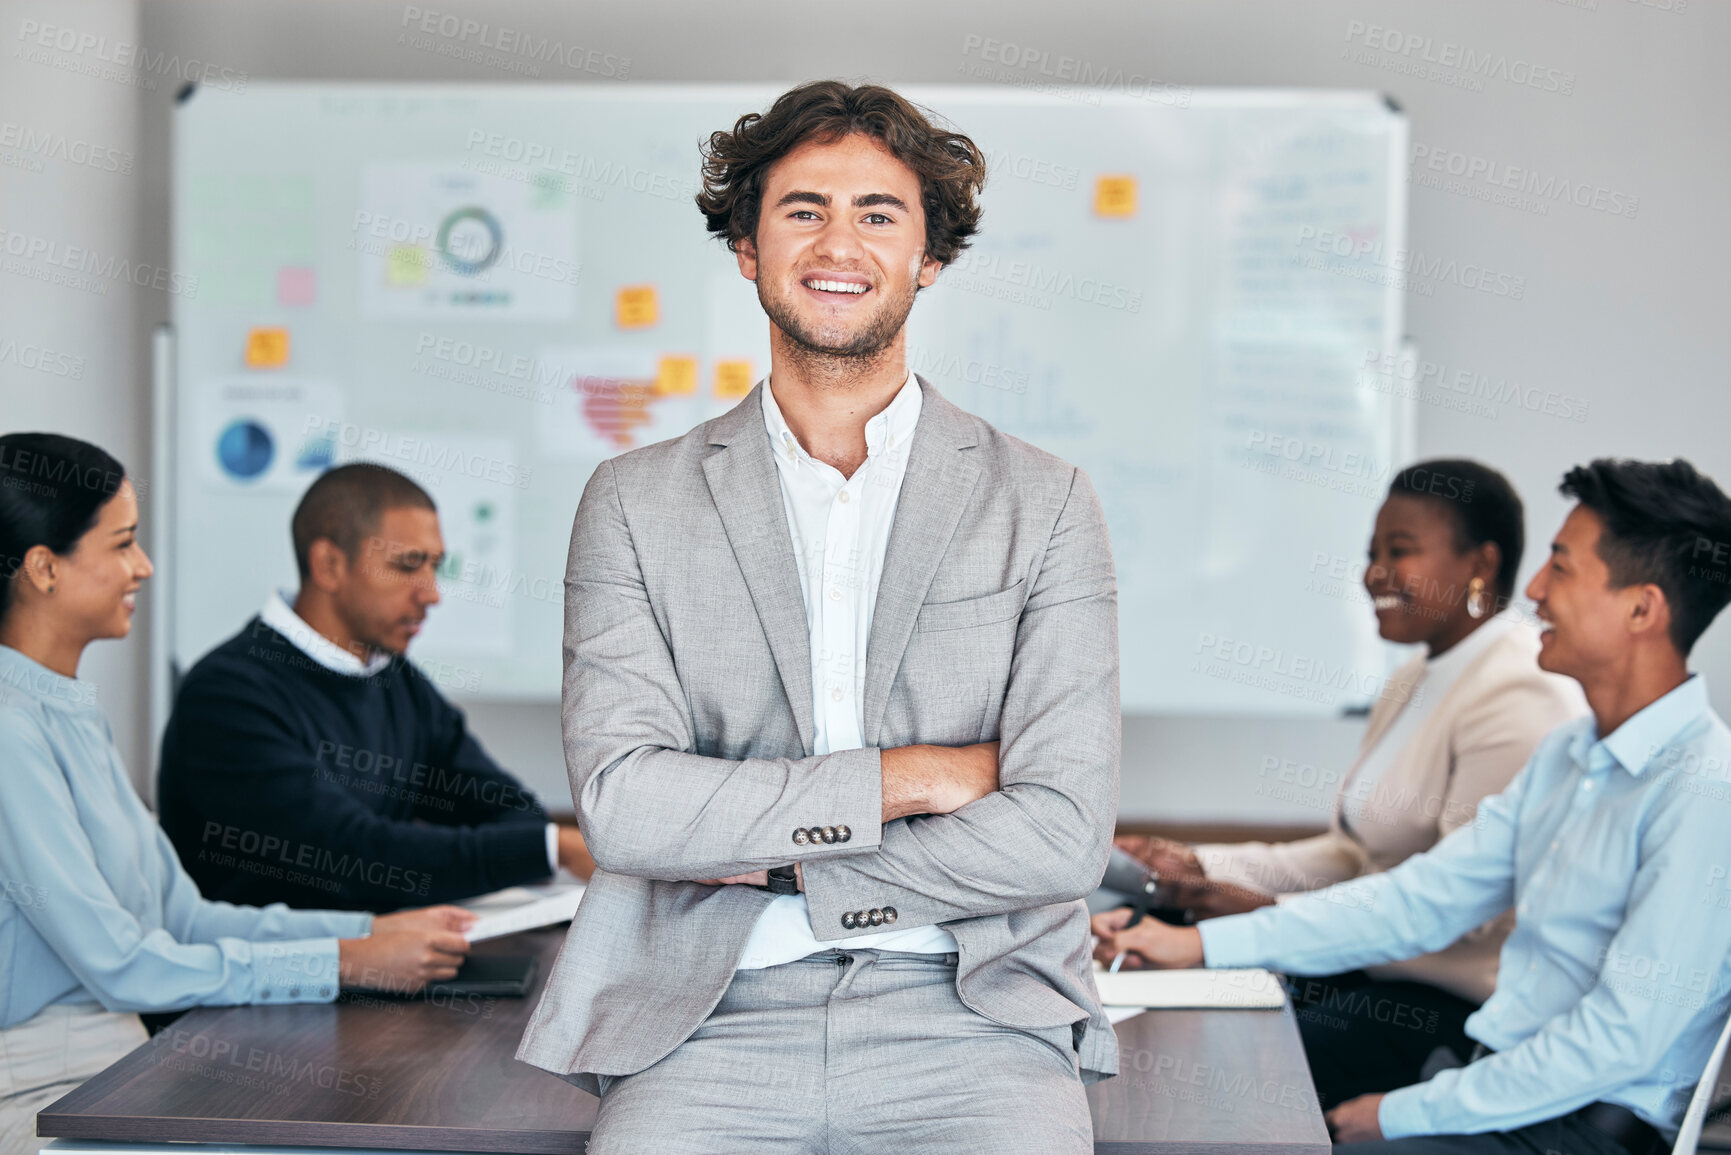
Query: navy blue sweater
[{"x": 283, "y": 781}]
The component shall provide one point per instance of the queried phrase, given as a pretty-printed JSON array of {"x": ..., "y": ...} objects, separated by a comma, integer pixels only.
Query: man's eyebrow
[
  {"x": 867, "y": 200},
  {"x": 1558, "y": 547},
  {"x": 803, "y": 197}
]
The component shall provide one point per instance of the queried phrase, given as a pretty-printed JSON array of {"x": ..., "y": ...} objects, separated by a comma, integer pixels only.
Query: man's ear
[
  {"x": 745, "y": 252},
  {"x": 1649, "y": 611},
  {"x": 327, "y": 565},
  {"x": 929, "y": 269}
]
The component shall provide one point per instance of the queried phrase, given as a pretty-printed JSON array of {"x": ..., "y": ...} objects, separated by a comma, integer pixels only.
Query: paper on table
[
  {"x": 1242, "y": 989},
  {"x": 555, "y": 908}
]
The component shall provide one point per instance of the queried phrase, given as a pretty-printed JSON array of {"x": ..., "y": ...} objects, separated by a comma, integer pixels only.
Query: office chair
[{"x": 1689, "y": 1134}]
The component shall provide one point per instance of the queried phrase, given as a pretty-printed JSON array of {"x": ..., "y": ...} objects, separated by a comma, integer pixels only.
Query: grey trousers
[{"x": 851, "y": 1052}]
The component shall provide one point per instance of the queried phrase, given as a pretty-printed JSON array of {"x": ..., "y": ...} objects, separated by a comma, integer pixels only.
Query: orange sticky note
[
  {"x": 267, "y": 348},
  {"x": 732, "y": 378},
  {"x": 635, "y": 307},
  {"x": 676, "y": 375},
  {"x": 1115, "y": 196}
]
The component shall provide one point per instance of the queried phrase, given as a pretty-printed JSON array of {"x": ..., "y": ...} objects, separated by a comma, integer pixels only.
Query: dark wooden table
[{"x": 440, "y": 1077}]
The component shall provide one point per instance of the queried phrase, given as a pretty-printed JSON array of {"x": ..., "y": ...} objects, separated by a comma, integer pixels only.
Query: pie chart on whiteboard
[{"x": 245, "y": 449}]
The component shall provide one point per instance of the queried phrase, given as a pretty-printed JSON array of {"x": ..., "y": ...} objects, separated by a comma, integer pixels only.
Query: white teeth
[
  {"x": 1386, "y": 602},
  {"x": 837, "y": 286}
]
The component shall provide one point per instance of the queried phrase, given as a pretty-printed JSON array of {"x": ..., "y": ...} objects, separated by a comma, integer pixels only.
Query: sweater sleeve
[
  {"x": 131, "y": 960},
  {"x": 467, "y": 787},
  {"x": 268, "y": 807}
]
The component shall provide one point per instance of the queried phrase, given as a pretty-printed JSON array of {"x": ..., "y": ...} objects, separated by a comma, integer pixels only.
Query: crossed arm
[{"x": 940, "y": 833}]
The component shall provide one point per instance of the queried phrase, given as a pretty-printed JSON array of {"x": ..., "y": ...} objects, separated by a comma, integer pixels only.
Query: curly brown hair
[{"x": 951, "y": 168}]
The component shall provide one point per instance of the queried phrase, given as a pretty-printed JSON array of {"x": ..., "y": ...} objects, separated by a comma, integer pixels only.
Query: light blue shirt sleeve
[
  {"x": 1622, "y": 1024},
  {"x": 191, "y": 917},
  {"x": 150, "y": 951},
  {"x": 1420, "y": 906}
]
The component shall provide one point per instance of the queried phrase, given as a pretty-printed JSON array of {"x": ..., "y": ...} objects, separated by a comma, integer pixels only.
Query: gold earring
[{"x": 1476, "y": 598}]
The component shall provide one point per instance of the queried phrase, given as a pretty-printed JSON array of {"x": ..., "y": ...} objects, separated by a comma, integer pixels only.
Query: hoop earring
[{"x": 1476, "y": 598}]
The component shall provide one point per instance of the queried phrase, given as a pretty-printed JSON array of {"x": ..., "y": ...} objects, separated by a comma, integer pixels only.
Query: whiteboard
[{"x": 494, "y": 288}]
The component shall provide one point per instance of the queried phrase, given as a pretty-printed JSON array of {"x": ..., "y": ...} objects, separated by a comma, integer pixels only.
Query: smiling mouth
[
  {"x": 838, "y": 288},
  {"x": 1387, "y": 602}
]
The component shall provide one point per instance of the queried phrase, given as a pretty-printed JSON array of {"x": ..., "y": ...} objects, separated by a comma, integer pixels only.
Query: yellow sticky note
[
  {"x": 1115, "y": 196},
  {"x": 675, "y": 375},
  {"x": 636, "y": 307},
  {"x": 267, "y": 348},
  {"x": 406, "y": 264},
  {"x": 732, "y": 378}
]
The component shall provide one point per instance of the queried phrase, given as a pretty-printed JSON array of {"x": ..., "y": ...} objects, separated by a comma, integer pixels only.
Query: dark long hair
[{"x": 52, "y": 489}]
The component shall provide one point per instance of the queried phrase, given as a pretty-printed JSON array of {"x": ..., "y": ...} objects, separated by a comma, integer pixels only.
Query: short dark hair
[
  {"x": 344, "y": 506},
  {"x": 52, "y": 490},
  {"x": 951, "y": 167},
  {"x": 1665, "y": 523},
  {"x": 1484, "y": 506}
]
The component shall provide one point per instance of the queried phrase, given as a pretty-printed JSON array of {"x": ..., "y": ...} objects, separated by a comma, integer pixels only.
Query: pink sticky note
[{"x": 296, "y": 285}]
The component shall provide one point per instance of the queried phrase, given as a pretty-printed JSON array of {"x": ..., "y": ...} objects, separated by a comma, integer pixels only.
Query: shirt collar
[
  {"x": 25, "y": 673},
  {"x": 279, "y": 616},
  {"x": 1637, "y": 742},
  {"x": 890, "y": 428}
]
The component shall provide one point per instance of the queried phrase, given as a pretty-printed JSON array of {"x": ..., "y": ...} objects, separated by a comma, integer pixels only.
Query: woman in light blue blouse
[{"x": 98, "y": 920}]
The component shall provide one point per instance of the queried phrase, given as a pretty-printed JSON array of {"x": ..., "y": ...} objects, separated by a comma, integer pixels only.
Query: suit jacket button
[
  {"x": 842, "y": 834},
  {"x": 815, "y": 835},
  {"x": 828, "y": 833},
  {"x": 848, "y": 920},
  {"x": 889, "y": 915},
  {"x": 876, "y": 917},
  {"x": 800, "y": 837}
]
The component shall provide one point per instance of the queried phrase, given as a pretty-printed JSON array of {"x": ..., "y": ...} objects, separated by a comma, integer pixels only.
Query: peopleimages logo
[{"x": 1458, "y": 59}]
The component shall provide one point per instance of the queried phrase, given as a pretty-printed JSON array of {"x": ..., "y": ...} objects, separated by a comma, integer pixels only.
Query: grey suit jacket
[{"x": 688, "y": 732}]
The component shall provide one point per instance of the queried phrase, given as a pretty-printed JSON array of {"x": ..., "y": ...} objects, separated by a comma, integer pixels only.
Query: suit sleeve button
[
  {"x": 842, "y": 834},
  {"x": 889, "y": 915},
  {"x": 814, "y": 835},
  {"x": 800, "y": 837},
  {"x": 848, "y": 920},
  {"x": 828, "y": 833},
  {"x": 876, "y": 917}
]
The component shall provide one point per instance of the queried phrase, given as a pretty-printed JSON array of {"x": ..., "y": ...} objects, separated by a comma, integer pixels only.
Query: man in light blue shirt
[{"x": 1612, "y": 846}]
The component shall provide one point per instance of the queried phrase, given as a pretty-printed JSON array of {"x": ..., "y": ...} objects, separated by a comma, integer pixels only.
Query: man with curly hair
[{"x": 840, "y": 709}]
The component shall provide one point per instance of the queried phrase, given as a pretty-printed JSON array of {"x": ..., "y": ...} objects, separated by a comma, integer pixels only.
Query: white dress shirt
[
  {"x": 279, "y": 615},
  {"x": 840, "y": 528}
]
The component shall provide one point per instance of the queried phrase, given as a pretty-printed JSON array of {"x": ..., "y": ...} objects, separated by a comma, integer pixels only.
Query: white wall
[
  {"x": 1626, "y": 314},
  {"x": 97, "y": 384}
]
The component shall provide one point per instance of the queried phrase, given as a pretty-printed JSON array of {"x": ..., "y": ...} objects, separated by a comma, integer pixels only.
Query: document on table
[
  {"x": 548, "y": 910},
  {"x": 1250, "y": 988}
]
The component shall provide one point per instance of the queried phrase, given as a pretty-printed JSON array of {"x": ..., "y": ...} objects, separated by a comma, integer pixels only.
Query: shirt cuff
[
  {"x": 553, "y": 847},
  {"x": 1233, "y": 941},
  {"x": 1401, "y": 1114},
  {"x": 295, "y": 972}
]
